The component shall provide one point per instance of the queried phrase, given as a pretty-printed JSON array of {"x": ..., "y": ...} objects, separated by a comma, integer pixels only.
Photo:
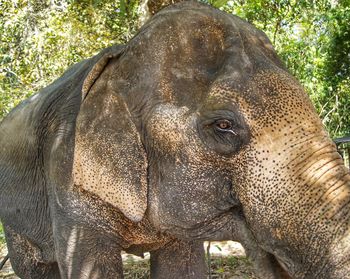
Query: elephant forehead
[
  {"x": 182, "y": 51},
  {"x": 272, "y": 101},
  {"x": 280, "y": 105}
]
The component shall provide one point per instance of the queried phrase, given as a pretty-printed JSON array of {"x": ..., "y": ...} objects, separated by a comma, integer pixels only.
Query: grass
[
  {"x": 231, "y": 267},
  {"x": 221, "y": 268},
  {"x": 136, "y": 269}
]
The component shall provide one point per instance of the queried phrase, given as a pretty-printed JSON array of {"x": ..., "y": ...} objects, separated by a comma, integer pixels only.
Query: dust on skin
[{"x": 166, "y": 127}]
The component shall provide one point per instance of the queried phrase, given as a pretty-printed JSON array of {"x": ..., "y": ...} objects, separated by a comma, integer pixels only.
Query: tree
[
  {"x": 336, "y": 71},
  {"x": 41, "y": 39}
]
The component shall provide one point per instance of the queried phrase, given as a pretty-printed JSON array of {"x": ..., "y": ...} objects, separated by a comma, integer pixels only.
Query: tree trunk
[{"x": 148, "y": 8}]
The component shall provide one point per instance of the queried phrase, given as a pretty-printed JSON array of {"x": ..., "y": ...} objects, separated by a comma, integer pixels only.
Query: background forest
[{"x": 42, "y": 38}]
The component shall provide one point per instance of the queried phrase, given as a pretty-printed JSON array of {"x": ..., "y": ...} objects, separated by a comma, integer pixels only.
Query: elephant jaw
[{"x": 217, "y": 228}]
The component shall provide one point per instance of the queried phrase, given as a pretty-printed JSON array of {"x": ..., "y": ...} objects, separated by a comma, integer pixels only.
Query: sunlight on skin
[
  {"x": 87, "y": 272},
  {"x": 71, "y": 247}
]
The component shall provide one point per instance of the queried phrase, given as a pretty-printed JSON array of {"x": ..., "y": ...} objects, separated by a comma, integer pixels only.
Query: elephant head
[{"x": 219, "y": 131}]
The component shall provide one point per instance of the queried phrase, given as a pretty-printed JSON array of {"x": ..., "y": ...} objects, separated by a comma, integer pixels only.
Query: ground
[{"x": 228, "y": 261}]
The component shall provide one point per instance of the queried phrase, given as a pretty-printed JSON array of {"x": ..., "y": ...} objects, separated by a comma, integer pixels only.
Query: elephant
[{"x": 194, "y": 130}]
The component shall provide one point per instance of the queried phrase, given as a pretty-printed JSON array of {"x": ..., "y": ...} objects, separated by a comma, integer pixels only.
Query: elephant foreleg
[
  {"x": 179, "y": 259},
  {"x": 26, "y": 258},
  {"x": 86, "y": 254}
]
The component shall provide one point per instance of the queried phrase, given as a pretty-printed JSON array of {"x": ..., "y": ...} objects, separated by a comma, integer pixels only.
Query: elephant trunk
[
  {"x": 322, "y": 195},
  {"x": 304, "y": 217}
]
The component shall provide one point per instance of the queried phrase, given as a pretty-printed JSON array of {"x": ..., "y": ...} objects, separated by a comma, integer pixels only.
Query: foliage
[
  {"x": 336, "y": 71},
  {"x": 40, "y": 39},
  {"x": 221, "y": 267}
]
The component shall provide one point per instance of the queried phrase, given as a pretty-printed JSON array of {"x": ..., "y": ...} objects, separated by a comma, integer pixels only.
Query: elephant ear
[{"x": 109, "y": 158}]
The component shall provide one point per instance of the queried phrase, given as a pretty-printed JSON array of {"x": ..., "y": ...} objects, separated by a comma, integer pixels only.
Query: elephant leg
[
  {"x": 26, "y": 259},
  {"x": 179, "y": 259},
  {"x": 86, "y": 254},
  {"x": 265, "y": 264}
]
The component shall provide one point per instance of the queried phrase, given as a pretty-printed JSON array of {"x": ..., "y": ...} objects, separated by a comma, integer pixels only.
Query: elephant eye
[
  {"x": 224, "y": 131},
  {"x": 224, "y": 125}
]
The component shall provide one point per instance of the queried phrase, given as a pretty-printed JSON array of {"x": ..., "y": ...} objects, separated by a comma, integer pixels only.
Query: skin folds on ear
[
  {"x": 109, "y": 158},
  {"x": 97, "y": 69}
]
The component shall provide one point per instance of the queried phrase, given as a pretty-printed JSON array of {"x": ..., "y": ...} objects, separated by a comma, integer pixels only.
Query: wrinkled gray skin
[{"x": 193, "y": 130}]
